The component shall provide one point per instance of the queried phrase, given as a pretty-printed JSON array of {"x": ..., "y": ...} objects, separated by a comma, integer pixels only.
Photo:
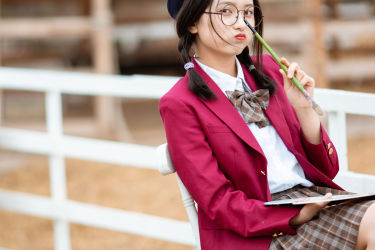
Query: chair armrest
[{"x": 165, "y": 165}]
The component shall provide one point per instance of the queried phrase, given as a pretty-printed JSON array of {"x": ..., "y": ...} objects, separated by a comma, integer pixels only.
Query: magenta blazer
[{"x": 223, "y": 167}]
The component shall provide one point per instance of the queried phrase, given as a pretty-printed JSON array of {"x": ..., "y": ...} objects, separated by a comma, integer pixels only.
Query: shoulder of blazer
[
  {"x": 180, "y": 93},
  {"x": 179, "y": 89}
]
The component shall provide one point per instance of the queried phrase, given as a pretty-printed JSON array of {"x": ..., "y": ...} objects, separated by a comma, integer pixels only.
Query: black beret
[{"x": 174, "y": 6}]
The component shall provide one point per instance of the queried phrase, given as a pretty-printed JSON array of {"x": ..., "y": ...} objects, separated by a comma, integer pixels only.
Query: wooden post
[
  {"x": 85, "y": 7},
  {"x": 107, "y": 109},
  {"x": 317, "y": 55},
  {"x": 1, "y": 36},
  {"x": 1, "y": 63},
  {"x": 334, "y": 10},
  {"x": 103, "y": 63},
  {"x": 102, "y": 36}
]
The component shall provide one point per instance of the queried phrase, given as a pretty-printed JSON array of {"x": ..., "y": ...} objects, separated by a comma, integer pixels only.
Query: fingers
[
  {"x": 284, "y": 61},
  {"x": 300, "y": 74},
  {"x": 316, "y": 207},
  {"x": 307, "y": 81},
  {"x": 287, "y": 83},
  {"x": 293, "y": 69},
  {"x": 310, "y": 210},
  {"x": 327, "y": 197}
]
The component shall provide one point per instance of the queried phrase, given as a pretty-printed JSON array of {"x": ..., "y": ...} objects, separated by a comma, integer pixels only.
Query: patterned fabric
[
  {"x": 251, "y": 105},
  {"x": 335, "y": 228}
]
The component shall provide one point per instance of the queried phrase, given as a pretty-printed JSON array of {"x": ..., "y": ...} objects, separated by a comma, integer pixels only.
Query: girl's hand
[
  {"x": 295, "y": 96},
  {"x": 309, "y": 211}
]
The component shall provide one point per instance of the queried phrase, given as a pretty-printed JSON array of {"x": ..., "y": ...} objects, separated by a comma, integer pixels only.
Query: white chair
[{"x": 166, "y": 167}]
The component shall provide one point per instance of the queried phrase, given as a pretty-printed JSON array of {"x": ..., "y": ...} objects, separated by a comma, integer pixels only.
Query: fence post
[{"x": 54, "y": 118}]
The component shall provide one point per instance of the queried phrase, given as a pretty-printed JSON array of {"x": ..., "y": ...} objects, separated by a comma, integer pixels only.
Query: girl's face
[{"x": 218, "y": 39}]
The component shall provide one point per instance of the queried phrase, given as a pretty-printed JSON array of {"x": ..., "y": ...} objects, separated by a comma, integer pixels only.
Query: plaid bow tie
[{"x": 251, "y": 105}]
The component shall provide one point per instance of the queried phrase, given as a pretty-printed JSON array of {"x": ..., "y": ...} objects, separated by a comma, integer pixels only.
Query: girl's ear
[{"x": 193, "y": 29}]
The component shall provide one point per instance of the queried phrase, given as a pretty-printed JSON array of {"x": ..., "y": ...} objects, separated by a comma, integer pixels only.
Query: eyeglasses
[{"x": 229, "y": 14}]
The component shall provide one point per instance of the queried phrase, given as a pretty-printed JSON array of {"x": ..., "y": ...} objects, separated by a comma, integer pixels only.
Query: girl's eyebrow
[{"x": 228, "y": 2}]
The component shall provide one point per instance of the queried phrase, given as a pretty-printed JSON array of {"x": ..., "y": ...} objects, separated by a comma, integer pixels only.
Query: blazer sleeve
[
  {"x": 196, "y": 165},
  {"x": 323, "y": 155}
]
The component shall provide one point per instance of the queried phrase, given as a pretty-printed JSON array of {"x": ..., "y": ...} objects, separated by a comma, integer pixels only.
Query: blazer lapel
[
  {"x": 227, "y": 112},
  {"x": 274, "y": 111}
]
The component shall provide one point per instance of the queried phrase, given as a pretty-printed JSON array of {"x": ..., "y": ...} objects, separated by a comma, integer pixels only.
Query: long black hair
[{"x": 190, "y": 13}]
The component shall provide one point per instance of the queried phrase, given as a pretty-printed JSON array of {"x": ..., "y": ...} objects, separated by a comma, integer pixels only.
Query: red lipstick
[{"x": 241, "y": 37}]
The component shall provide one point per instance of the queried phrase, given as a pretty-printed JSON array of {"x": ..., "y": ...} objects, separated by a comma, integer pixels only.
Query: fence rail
[{"x": 57, "y": 146}]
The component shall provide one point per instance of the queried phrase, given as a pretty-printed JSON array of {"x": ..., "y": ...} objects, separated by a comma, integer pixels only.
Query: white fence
[{"x": 58, "y": 146}]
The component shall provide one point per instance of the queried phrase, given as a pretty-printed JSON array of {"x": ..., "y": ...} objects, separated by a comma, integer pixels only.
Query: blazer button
[
  {"x": 263, "y": 173},
  {"x": 330, "y": 151},
  {"x": 274, "y": 235},
  {"x": 329, "y": 146},
  {"x": 281, "y": 234}
]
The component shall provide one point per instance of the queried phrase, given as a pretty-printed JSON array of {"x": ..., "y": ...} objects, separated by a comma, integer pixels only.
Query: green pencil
[{"x": 315, "y": 106}]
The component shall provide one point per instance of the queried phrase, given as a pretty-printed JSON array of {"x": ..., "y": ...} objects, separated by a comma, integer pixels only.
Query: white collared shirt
[{"x": 283, "y": 169}]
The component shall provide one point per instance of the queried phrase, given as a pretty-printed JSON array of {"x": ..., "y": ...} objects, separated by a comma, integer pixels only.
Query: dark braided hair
[
  {"x": 263, "y": 81},
  {"x": 189, "y": 13}
]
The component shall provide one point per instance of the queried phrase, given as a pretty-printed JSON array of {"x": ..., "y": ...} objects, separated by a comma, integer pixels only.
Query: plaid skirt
[{"x": 335, "y": 227}]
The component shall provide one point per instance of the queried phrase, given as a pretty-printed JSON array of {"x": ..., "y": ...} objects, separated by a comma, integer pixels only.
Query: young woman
[{"x": 240, "y": 134}]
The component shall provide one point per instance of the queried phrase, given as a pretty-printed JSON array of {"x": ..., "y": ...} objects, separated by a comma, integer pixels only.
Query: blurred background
[{"x": 333, "y": 40}]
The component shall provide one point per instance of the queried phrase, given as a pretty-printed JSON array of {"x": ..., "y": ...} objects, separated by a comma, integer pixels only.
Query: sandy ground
[
  {"x": 103, "y": 184},
  {"x": 116, "y": 186}
]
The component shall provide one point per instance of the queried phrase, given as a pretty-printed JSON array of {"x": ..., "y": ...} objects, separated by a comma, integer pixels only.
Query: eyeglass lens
[{"x": 230, "y": 14}]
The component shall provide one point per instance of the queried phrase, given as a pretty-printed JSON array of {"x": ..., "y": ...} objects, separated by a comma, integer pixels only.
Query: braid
[
  {"x": 260, "y": 78},
  {"x": 196, "y": 83}
]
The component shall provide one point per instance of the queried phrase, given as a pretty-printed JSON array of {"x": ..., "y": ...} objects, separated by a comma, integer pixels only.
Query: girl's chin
[
  {"x": 231, "y": 51},
  {"x": 234, "y": 52},
  {"x": 238, "y": 51}
]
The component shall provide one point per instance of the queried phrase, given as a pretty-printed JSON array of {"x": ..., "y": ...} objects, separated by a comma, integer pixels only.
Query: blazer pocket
[{"x": 218, "y": 129}]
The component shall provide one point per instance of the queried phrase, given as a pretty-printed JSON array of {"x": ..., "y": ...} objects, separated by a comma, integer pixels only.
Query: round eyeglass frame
[{"x": 238, "y": 13}]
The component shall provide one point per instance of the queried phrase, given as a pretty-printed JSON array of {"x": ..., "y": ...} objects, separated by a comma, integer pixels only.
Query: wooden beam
[
  {"x": 355, "y": 69},
  {"x": 343, "y": 29},
  {"x": 352, "y": 34},
  {"x": 45, "y": 27},
  {"x": 140, "y": 11}
]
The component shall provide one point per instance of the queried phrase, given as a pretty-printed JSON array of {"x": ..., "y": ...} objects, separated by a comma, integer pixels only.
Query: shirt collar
[{"x": 224, "y": 81}]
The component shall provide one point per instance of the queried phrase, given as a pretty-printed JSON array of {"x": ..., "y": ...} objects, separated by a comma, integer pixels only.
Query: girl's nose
[{"x": 240, "y": 21}]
